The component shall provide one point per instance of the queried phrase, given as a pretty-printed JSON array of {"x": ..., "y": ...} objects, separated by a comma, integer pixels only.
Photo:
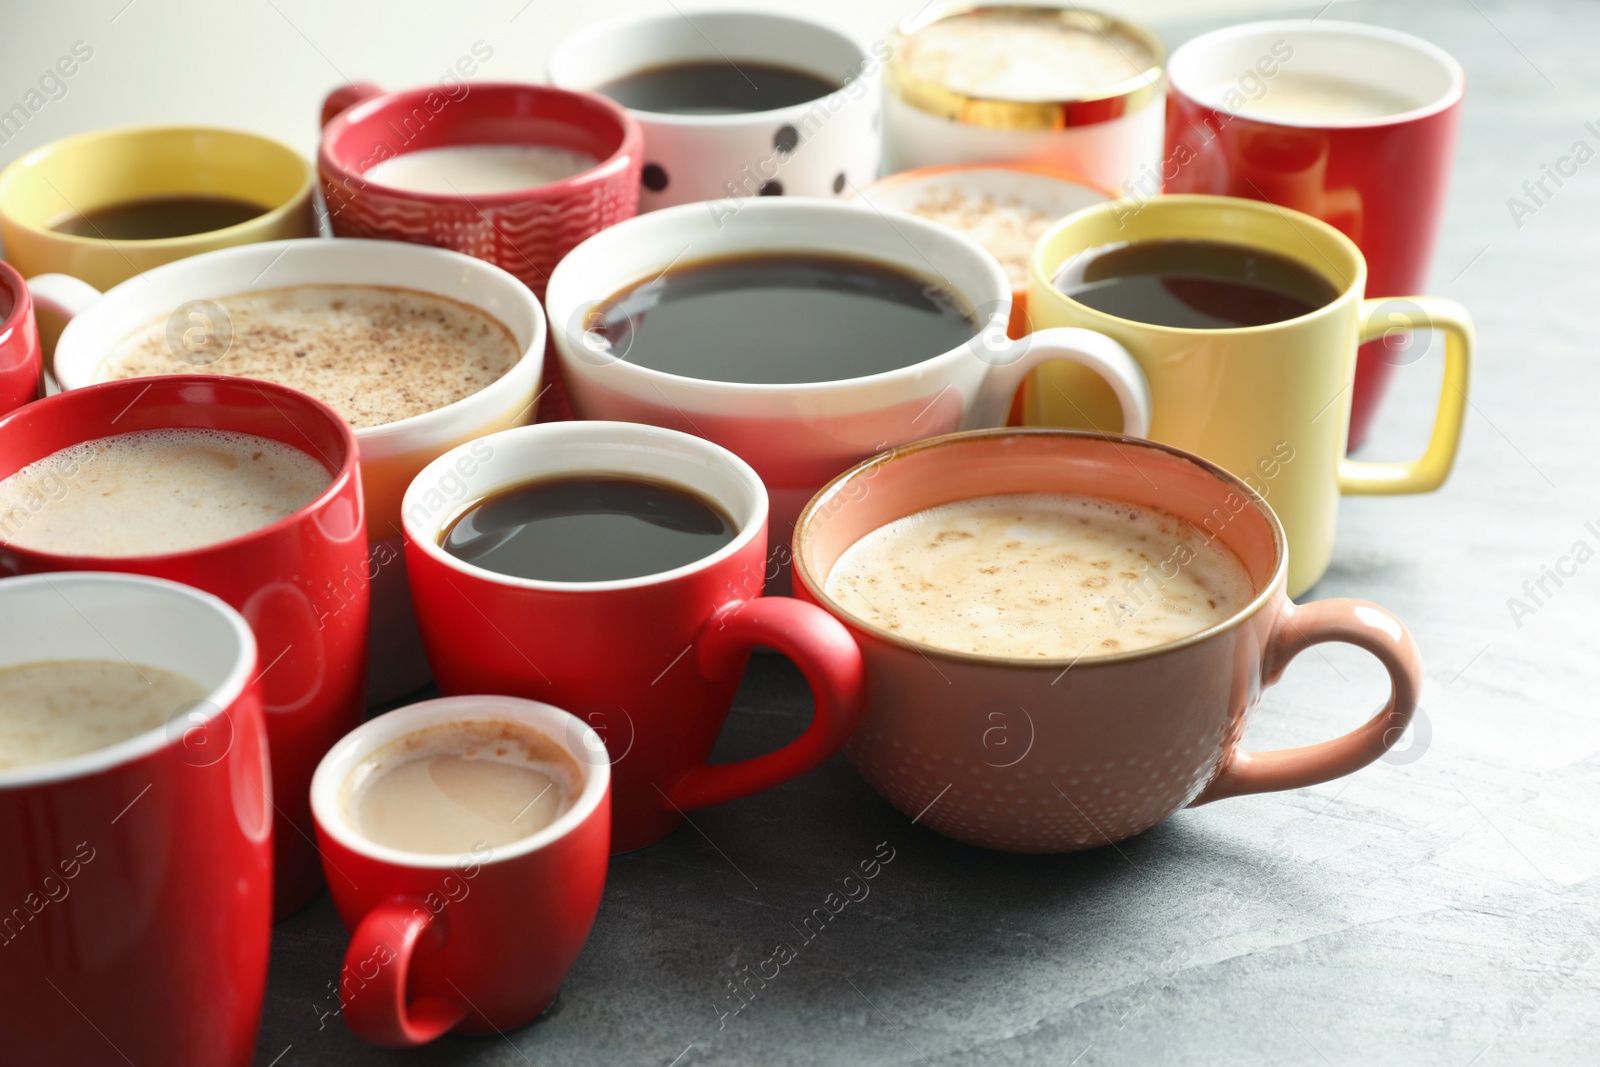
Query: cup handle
[
  {"x": 61, "y": 294},
  {"x": 345, "y": 97},
  {"x": 375, "y": 1004},
  {"x": 1010, "y": 361},
  {"x": 1354, "y": 622},
  {"x": 823, "y": 650},
  {"x": 1429, "y": 471}
]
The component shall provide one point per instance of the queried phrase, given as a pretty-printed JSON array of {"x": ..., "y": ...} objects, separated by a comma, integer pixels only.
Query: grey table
[{"x": 1437, "y": 908}]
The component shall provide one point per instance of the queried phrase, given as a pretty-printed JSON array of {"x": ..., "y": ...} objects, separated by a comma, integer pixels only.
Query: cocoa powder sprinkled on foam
[{"x": 374, "y": 354}]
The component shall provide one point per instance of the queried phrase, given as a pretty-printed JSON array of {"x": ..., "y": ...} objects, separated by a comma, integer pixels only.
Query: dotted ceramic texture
[{"x": 526, "y": 238}]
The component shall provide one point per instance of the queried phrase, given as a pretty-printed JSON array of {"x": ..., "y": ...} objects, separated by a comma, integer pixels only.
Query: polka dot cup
[
  {"x": 1046, "y": 755},
  {"x": 824, "y": 147}
]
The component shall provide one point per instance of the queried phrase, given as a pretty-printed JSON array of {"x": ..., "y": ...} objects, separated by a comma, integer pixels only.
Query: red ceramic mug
[
  {"x": 523, "y": 231},
  {"x": 1052, "y": 755},
  {"x": 476, "y": 942},
  {"x": 137, "y": 878},
  {"x": 300, "y": 582},
  {"x": 1242, "y": 122},
  {"x": 21, "y": 363},
  {"x": 651, "y": 663}
]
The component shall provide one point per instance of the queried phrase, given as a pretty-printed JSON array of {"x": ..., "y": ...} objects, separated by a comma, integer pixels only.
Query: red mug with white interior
[
  {"x": 474, "y": 940},
  {"x": 506, "y": 172},
  {"x": 137, "y": 872},
  {"x": 21, "y": 361},
  {"x": 650, "y": 662},
  {"x": 1350, "y": 123},
  {"x": 301, "y": 581}
]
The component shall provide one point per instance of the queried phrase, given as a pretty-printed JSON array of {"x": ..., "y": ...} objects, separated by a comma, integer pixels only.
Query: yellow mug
[
  {"x": 92, "y": 171},
  {"x": 1269, "y": 403}
]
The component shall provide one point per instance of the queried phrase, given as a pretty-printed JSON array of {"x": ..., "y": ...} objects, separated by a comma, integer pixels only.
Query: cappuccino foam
[
  {"x": 56, "y": 709},
  {"x": 479, "y": 169},
  {"x": 458, "y": 788},
  {"x": 1320, "y": 97},
  {"x": 151, "y": 492},
  {"x": 1022, "y": 56},
  {"x": 1040, "y": 576},
  {"x": 374, "y": 354}
]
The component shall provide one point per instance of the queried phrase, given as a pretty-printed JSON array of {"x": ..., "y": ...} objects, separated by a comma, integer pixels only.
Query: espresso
[
  {"x": 1040, "y": 576},
  {"x": 478, "y": 169},
  {"x": 459, "y": 788},
  {"x": 1194, "y": 285},
  {"x": 782, "y": 318},
  {"x": 374, "y": 354},
  {"x": 1320, "y": 98},
  {"x": 55, "y": 709},
  {"x": 157, "y": 217},
  {"x": 717, "y": 87},
  {"x": 588, "y": 528},
  {"x": 1018, "y": 54},
  {"x": 152, "y": 492}
]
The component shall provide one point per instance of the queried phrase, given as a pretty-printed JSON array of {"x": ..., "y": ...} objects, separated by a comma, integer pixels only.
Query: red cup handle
[
  {"x": 372, "y": 984},
  {"x": 345, "y": 97},
  {"x": 825, "y": 653},
  {"x": 1354, "y": 622}
]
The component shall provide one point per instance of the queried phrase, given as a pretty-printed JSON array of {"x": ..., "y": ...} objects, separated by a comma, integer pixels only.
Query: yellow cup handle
[{"x": 1429, "y": 471}]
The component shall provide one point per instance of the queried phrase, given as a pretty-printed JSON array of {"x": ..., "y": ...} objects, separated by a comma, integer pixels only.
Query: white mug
[
  {"x": 391, "y": 454},
  {"x": 798, "y": 437},
  {"x": 824, "y": 147}
]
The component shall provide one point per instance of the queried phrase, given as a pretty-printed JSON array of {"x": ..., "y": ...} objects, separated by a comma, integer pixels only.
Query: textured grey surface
[{"x": 1437, "y": 908}]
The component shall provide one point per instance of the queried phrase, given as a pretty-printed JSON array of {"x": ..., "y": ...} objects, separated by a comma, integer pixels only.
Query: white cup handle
[
  {"x": 62, "y": 294},
  {"x": 1011, "y": 360}
]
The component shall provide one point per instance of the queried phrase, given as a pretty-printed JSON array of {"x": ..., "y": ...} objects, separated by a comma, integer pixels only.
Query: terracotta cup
[
  {"x": 137, "y": 878},
  {"x": 1044, "y": 755}
]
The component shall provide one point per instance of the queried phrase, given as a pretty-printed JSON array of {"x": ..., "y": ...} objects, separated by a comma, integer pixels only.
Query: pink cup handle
[
  {"x": 372, "y": 984},
  {"x": 823, "y": 650},
  {"x": 1354, "y": 622},
  {"x": 346, "y": 97}
]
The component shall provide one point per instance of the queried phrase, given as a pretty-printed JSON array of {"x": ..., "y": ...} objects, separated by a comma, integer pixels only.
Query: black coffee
[
  {"x": 783, "y": 318},
  {"x": 1197, "y": 285},
  {"x": 716, "y": 87},
  {"x": 588, "y": 528},
  {"x": 159, "y": 216}
]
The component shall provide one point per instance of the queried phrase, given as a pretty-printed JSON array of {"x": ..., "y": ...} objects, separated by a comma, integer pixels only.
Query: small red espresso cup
[
  {"x": 21, "y": 361},
  {"x": 136, "y": 881},
  {"x": 1256, "y": 111},
  {"x": 650, "y": 663},
  {"x": 523, "y": 231},
  {"x": 475, "y": 942},
  {"x": 301, "y": 582}
]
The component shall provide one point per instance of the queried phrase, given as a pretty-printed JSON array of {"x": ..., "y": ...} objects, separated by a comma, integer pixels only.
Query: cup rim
[
  {"x": 900, "y": 179},
  {"x": 422, "y": 423},
  {"x": 1000, "y": 295},
  {"x": 1325, "y": 27},
  {"x": 13, "y": 171},
  {"x": 391, "y": 726},
  {"x": 631, "y": 145},
  {"x": 21, "y": 299},
  {"x": 817, "y": 590},
  {"x": 1042, "y": 277},
  {"x": 606, "y": 434},
  {"x": 100, "y": 760},
  {"x": 337, "y": 484},
  {"x": 1133, "y": 94},
  {"x": 586, "y": 36}
]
